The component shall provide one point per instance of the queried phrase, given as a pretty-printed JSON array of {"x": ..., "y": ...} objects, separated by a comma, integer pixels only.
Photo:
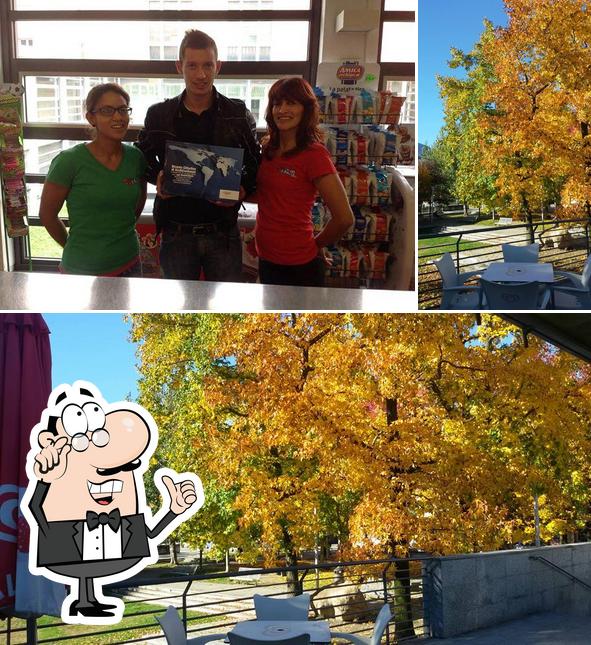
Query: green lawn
[
  {"x": 440, "y": 245},
  {"x": 42, "y": 245},
  {"x": 144, "y": 625}
]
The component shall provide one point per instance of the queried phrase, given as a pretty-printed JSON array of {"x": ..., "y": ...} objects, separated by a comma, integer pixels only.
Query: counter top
[{"x": 46, "y": 292}]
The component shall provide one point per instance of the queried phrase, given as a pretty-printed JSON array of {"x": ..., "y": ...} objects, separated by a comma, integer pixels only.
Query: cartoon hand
[
  {"x": 52, "y": 461},
  {"x": 182, "y": 495}
]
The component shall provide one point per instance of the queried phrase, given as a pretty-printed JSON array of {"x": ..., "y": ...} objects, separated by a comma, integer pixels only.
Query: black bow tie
[{"x": 113, "y": 519}]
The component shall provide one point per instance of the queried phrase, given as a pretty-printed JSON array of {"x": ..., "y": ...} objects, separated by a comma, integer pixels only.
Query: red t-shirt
[{"x": 286, "y": 193}]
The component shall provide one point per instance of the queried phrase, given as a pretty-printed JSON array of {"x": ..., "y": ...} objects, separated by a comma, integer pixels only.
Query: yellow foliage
[
  {"x": 534, "y": 136},
  {"x": 391, "y": 431}
]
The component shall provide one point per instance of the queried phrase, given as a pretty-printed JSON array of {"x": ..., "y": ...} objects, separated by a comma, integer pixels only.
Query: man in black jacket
[{"x": 198, "y": 234}]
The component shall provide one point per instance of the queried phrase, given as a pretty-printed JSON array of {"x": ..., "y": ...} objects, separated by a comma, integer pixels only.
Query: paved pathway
[
  {"x": 538, "y": 629},
  {"x": 233, "y": 600}
]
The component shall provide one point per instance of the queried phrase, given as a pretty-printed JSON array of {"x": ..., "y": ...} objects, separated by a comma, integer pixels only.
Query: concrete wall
[{"x": 467, "y": 592}]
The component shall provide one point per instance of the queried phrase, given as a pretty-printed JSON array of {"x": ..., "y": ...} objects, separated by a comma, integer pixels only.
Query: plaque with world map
[{"x": 208, "y": 172}]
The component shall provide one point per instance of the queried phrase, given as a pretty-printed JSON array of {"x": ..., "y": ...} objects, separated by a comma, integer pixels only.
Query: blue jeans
[{"x": 184, "y": 254}]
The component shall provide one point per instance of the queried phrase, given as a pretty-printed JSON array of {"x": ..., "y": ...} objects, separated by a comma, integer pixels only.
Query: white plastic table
[
  {"x": 275, "y": 630},
  {"x": 519, "y": 272}
]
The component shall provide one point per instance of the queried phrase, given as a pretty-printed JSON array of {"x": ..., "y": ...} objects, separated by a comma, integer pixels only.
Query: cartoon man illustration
[{"x": 86, "y": 502}]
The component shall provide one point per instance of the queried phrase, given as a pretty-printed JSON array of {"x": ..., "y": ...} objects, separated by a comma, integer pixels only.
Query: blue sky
[
  {"x": 444, "y": 24},
  {"x": 93, "y": 347}
]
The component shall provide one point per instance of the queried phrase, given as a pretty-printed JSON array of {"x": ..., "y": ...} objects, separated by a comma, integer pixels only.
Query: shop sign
[{"x": 349, "y": 72}]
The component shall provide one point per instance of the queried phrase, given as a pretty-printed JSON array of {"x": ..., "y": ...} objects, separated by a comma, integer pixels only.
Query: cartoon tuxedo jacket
[{"x": 61, "y": 542}]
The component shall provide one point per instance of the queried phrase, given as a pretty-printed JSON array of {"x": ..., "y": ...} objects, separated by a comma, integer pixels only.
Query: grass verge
[{"x": 49, "y": 627}]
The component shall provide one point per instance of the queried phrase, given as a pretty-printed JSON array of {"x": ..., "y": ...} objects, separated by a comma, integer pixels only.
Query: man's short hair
[{"x": 195, "y": 39}]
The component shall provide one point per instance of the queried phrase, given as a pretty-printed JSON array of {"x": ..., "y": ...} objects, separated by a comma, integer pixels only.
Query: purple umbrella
[{"x": 25, "y": 385}]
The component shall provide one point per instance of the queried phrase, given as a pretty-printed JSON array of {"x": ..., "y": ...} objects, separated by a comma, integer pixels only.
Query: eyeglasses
[
  {"x": 108, "y": 110},
  {"x": 100, "y": 438}
]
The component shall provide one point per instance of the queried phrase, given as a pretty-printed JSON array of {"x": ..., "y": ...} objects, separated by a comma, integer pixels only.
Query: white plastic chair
[
  {"x": 300, "y": 639},
  {"x": 292, "y": 608},
  {"x": 379, "y": 628},
  {"x": 524, "y": 253},
  {"x": 520, "y": 295},
  {"x": 455, "y": 294},
  {"x": 575, "y": 292},
  {"x": 174, "y": 630}
]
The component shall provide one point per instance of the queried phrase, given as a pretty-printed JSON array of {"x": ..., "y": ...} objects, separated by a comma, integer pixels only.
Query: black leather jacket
[{"x": 234, "y": 127}]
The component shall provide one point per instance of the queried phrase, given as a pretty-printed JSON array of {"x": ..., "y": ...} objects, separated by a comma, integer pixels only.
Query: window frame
[
  {"x": 15, "y": 69},
  {"x": 398, "y": 71},
  {"x": 392, "y": 70}
]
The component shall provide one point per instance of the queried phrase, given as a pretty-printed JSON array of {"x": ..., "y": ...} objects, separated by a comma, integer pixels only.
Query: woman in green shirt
[{"x": 103, "y": 185}]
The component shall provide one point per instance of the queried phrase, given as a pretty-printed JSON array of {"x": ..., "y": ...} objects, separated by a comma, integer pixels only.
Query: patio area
[
  {"x": 538, "y": 596},
  {"x": 344, "y": 597},
  {"x": 518, "y": 266}
]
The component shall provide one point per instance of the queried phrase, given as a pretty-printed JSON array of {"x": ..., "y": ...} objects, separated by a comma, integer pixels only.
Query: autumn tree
[
  {"x": 437, "y": 431},
  {"x": 434, "y": 180},
  {"x": 460, "y": 143},
  {"x": 176, "y": 409},
  {"x": 293, "y": 407},
  {"x": 539, "y": 131}
]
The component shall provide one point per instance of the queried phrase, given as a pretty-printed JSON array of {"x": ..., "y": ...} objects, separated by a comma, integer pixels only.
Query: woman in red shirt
[{"x": 294, "y": 169}]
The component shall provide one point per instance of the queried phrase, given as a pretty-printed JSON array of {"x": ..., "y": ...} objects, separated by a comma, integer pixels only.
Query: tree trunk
[
  {"x": 585, "y": 134},
  {"x": 403, "y": 602},
  {"x": 291, "y": 558},
  {"x": 529, "y": 217},
  {"x": 172, "y": 551},
  {"x": 293, "y": 583}
]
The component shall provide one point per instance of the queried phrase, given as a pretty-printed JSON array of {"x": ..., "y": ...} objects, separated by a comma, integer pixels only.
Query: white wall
[{"x": 354, "y": 44}]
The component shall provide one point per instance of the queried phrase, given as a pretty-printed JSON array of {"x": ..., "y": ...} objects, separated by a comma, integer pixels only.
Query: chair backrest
[
  {"x": 380, "y": 625},
  {"x": 300, "y": 639},
  {"x": 526, "y": 253},
  {"x": 173, "y": 627},
  {"x": 511, "y": 296},
  {"x": 586, "y": 275},
  {"x": 292, "y": 608},
  {"x": 447, "y": 270}
]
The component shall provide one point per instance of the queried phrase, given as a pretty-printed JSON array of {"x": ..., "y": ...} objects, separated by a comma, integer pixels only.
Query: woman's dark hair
[
  {"x": 299, "y": 90},
  {"x": 94, "y": 96}
]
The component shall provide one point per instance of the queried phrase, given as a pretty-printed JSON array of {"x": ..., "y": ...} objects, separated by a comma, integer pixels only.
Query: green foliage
[{"x": 459, "y": 146}]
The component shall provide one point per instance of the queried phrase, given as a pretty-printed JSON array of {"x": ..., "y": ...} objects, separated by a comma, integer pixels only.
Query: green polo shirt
[{"x": 101, "y": 209}]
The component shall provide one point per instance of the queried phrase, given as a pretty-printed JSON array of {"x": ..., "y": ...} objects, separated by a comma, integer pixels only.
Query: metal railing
[
  {"x": 562, "y": 571},
  {"x": 564, "y": 243},
  {"x": 350, "y": 600}
]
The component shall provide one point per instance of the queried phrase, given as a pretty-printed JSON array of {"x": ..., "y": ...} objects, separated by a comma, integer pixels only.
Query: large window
[
  {"x": 398, "y": 52},
  {"x": 198, "y": 5},
  {"x": 144, "y": 40},
  {"x": 397, "y": 56},
  {"x": 58, "y": 50},
  {"x": 400, "y": 5}
]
